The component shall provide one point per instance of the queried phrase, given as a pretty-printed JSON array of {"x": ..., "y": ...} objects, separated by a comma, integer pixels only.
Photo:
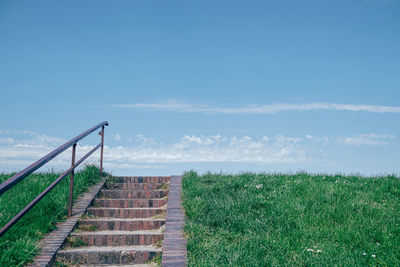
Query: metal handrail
[{"x": 33, "y": 167}]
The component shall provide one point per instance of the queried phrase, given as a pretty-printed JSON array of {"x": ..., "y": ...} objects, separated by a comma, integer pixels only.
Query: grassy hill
[
  {"x": 291, "y": 220},
  {"x": 19, "y": 245}
]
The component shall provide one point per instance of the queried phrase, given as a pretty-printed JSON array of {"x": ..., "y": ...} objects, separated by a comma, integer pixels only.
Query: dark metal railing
[{"x": 27, "y": 171}]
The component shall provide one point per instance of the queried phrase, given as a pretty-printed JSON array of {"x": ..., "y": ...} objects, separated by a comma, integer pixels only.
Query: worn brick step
[
  {"x": 109, "y": 255},
  {"x": 126, "y": 212},
  {"x": 123, "y": 224},
  {"x": 135, "y": 186},
  {"x": 119, "y": 193},
  {"x": 119, "y": 238},
  {"x": 130, "y": 203},
  {"x": 118, "y": 265},
  {"x": 141, "y": 179}
]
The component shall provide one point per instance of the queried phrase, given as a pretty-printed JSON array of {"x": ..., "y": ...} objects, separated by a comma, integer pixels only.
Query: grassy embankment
[
  {"x": 291, "y": 220},
  {"x": 19, "y": 245}
]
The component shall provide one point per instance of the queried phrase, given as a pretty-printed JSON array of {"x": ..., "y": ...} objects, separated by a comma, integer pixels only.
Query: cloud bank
[
  {"x": 176, "y": 106},
  {"x": 20, "y": 149}
]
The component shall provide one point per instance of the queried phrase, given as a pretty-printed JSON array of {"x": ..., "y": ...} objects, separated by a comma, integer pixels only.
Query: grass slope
[
  {"x": 19, "y": 245},
  {"x": 291, "y": 220}
]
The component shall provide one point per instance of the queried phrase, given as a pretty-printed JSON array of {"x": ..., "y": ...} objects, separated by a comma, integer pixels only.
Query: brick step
[
  {"x": 135, "y": 186},
  {"x": 130, "y": 203},
  {"x": 140, "y": 179},
  {"x": 126, "y": 212},
  {"x": 118, "y": 265},
  {"x": 109, "y": 255},
  {"x": 119, "y": 193},
  {"x": 121, "y": 224},
  {"x": 119, "y": 238}
]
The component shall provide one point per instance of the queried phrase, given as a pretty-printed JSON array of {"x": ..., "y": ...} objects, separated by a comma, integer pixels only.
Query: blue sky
[{"x": 206, "y": 85}]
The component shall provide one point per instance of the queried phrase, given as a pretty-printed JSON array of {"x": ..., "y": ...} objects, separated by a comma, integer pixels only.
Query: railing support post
[
  {"x": 101, "y": 150},
  {"x": 71, "y": 183}
]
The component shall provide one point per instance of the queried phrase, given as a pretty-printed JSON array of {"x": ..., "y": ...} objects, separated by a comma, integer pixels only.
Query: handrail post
[
  {"x": 101, "y": 150},
  {"x": 71, "y": 183}
]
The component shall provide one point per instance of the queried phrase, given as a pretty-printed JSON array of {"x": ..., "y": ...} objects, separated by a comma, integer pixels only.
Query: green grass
[
  {"x": 156, "y": 261},
  {"x": 20, "y": 244},
  {"x": 291, "y": 220},
  {"x": 74, "y": 242}
]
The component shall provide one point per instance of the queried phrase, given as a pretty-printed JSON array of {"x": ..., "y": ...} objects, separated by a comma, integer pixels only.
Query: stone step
[
  {"x": 130, "y": 203},
  {"x": 109, "y": 255},
  {"x": 141, "y": 179},
  {"x": 126, "y": 212},
  {"x": 119, "y": 238},
  {"x": 121, "y": 224},
  {"x": 135, "y": 186},
  {"x": 105, "y": 193}
]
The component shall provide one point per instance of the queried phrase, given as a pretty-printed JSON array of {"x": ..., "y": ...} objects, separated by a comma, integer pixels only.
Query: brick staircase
[{"x": 124, "y": 225}]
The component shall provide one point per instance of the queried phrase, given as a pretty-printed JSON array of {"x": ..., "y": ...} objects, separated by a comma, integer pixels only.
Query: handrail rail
[
  {"x": 24, "y": 173},
  {"x": 33, "y": 167}
]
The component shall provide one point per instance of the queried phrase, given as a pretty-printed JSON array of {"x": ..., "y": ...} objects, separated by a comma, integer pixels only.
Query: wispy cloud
[
  {"x": 372, "y": 139},
  {"x": 176, "y": 106},
  {"x": 381, "y": 1}
]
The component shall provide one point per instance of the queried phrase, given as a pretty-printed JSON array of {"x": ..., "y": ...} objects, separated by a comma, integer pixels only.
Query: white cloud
[
  {"x": 193, "y": 148},
  {"x": 149, "y": 153},
  {"x": 324, "y": 140},
  {"x": 29, "y": 138},
  {"x": 176, "y": 106},
  {"x": 372, "y": 139},
  {"x": 18, "y": 149},
  {"x": 190, "y": 148}
]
